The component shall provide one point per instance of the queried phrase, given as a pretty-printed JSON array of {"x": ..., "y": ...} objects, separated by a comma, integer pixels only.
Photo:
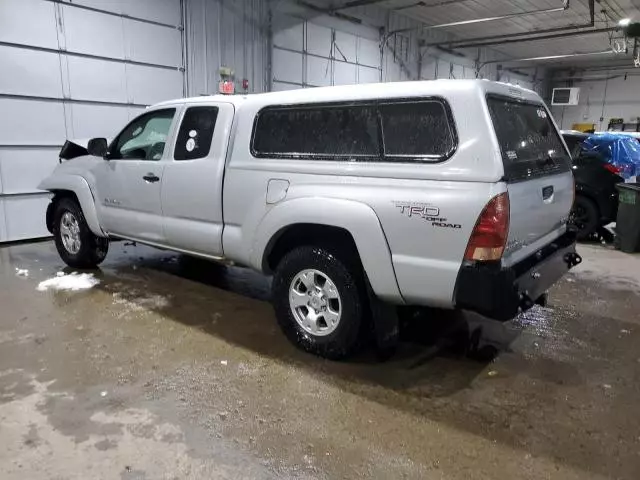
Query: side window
[
  {"x": 416, "y": 131},
  {"x": 196, "y": 133},
  {"x": 333, "y": 132},
  {"x": 144, "y": 138}
]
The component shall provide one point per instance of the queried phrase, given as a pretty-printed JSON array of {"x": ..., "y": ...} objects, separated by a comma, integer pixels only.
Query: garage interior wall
[
  {"x": 613, "y": 95},
  {"x": 75, "y": 70},
  {"x": 227, "y": 33},
  {"x": 311, "y": 49},
  {"x": 82, "y": 68}
]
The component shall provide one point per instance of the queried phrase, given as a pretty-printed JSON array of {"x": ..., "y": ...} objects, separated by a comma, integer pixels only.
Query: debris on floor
[
  {"x": 22, "y": 272},
  {"x": 73, "y": 282}
]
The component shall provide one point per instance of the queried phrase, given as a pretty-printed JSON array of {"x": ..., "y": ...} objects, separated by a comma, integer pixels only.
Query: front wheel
[
  {"x": 319, "y": 301},
  {"x": 77, "y": 245}
]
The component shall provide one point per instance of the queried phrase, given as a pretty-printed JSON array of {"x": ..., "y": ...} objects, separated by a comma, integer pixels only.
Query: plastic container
[{"x": 628, "y": 221}]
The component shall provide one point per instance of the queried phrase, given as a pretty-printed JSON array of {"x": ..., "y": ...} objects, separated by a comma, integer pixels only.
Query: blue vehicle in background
[{"x": 618, "y": 149}]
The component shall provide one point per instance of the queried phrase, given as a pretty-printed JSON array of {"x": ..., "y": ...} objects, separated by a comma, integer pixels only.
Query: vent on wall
[{"x": 565, "y": 96}]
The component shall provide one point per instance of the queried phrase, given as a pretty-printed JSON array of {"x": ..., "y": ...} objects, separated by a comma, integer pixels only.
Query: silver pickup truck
[{"x": 449, "y": 193}]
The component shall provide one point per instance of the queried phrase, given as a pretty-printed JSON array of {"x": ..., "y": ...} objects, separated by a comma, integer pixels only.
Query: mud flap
[{"x": 385, "y": 325}]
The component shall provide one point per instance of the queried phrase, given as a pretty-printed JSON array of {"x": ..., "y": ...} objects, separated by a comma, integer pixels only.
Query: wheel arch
[
  {"x": 77, "y": 188},
  {"x": 351, "y": 224}
]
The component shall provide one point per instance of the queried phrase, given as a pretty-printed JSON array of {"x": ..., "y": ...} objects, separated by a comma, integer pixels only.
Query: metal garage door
[
  {"x": 75, "y": 70},
  {"x": 310, "y": 55}
]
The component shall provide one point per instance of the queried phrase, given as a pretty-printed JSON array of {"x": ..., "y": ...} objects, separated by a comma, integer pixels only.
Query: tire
[
  {"x": 584, "y": 217},
  {"x": 86, "y": 250},
  {"x": 329, "y": 340}
]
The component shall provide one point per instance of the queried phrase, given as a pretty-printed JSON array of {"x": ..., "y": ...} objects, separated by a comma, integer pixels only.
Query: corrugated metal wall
[
  {"x": 75, "y": 69},
  {"x": 227, "y": 33},
  {"x": 236, "y": 34}
]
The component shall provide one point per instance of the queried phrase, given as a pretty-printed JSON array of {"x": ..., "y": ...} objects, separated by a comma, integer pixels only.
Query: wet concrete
[{"x": 175, "y": 368}]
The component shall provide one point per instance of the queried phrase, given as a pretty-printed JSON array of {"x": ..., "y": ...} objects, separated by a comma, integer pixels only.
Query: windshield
[{"x": 529, "y": 142}]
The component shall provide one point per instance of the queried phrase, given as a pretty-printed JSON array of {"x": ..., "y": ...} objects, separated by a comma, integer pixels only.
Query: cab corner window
[
  {"x": 196, "y": 133},
  {"x": 144, "y": 138}
]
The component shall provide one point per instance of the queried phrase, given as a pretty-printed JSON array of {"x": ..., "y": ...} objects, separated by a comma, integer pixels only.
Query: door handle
[
  {"x": 547, "y": 192},
  {"x": 151, "y": 178}
]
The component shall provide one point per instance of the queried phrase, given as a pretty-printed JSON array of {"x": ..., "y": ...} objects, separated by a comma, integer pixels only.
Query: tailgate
[
  {"x": 539, "y": 209},
  {"x": 538, "y": 174}
]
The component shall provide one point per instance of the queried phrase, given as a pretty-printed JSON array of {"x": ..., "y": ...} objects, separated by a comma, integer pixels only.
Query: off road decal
[{"x": 428, "y": 213}]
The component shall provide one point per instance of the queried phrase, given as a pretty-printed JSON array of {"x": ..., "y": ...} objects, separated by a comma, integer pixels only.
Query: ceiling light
[{"x": 624, "y": 22}]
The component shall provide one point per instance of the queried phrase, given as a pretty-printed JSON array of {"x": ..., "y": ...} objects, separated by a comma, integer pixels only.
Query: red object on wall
[
  {"x": 227, "y": 88},
  {"x": 245, "y": 84}
]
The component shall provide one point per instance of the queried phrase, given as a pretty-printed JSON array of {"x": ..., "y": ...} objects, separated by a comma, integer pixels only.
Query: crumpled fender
[
  {"x": 357, "y": 218},
  {"x": 79, "y": 186}
]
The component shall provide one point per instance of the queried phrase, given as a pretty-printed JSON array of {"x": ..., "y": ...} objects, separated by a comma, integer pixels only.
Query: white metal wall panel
[
  {"x": 162, "y": 11},
  {"x": 76, "y": 69},
  {"x": 346, "y": 47},
  {"x": 37, "y": 29},
  {"x": 288, "y": 32},
  {"x": 152, "y": 43},
  {"x": 3, "y": 223},
  {"x": 148, "y": 85},
  {"x": 101, "y": 80},
  {"x": 282, "y": 87},
  {"x": 93, "y": 33},
  {"x": 319, "y": 52},
  {"x": 469, "y": 73},
  {"x": 287, "y": 66},
  {"x": 429, "y": 66},
  {"x": 458, "y": 72},
  {"x": 318, "y": 71},
  {"x": 31, "y": 73},
  {"x": 318, "y": 40},
  {"x": 21, "y": 169},
  {"x": 31, "y": 122},
  {"x": 368, "y": 74},
  {"x": 443, "y": 69},
  {"x": 24, "y": 215},
  {"x": 98, "y": 120},
  {"x": 344, "y": 73},
  {"x": 368, "y": 52}
]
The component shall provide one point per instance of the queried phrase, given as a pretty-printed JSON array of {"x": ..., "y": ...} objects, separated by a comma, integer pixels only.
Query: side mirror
[{"x": 97, "y": 147}]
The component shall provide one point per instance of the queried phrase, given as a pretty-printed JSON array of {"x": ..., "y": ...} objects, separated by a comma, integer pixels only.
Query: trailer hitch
[{"x": 572, "y": 259}]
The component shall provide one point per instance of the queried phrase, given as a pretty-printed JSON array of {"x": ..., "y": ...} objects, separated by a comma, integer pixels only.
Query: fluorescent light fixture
[{"x": 624, "y": 22}]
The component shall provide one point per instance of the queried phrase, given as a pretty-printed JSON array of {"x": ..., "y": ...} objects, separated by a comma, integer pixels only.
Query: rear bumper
[{"x": 500, "y": 293}]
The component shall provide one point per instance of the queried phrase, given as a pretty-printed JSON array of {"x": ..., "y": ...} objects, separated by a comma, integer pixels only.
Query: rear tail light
[
  {"x": 612, "y": 168},
  {"x": 489, "y": 236}
]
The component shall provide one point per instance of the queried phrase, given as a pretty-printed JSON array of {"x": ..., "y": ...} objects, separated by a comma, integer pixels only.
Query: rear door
[
  {"x": 538, "y": 174},
  {"x": 192, "y": 181}
]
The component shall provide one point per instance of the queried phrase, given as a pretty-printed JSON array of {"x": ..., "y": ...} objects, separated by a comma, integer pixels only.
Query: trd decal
[{"x": 429, "y": 213}]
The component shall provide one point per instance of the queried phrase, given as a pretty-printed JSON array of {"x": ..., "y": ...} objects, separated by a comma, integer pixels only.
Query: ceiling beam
[
  {"x": 567, "y": 28},
  {"x": 574, "y": 33},
  {"x": 354, "y": 4},
  {"x": 484, "y": 19}
]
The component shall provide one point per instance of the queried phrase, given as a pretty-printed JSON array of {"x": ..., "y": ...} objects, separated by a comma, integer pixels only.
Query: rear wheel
[
  {"x": 319, "y": 301},
  {"x": 584, "y": 217},
  {"x": 77, "y": 245}
]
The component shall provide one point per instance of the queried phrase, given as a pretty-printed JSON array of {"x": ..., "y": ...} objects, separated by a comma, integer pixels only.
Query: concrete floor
[{"x": 173, "y": 368}]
